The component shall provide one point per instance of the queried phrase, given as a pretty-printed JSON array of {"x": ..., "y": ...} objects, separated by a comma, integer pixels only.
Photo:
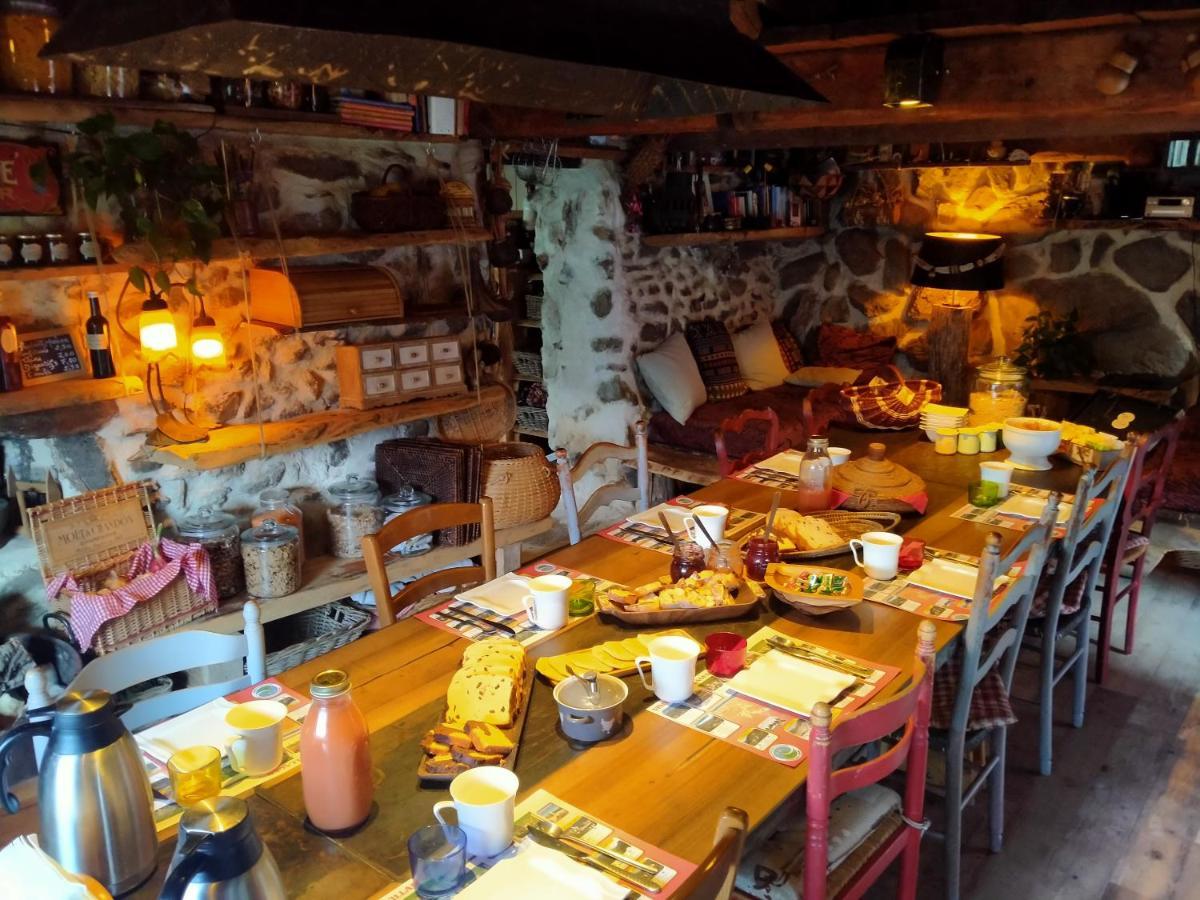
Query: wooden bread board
[
  {"x": 682, "y": 616},
  {"x": 554, "y": 668},
  {"x": 512, "y": 732},
  {"x": 848, "y": 525}
]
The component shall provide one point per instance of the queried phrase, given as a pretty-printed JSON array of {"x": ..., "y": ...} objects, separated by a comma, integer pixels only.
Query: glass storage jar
[
  {"x": 353, "y": 514},
  {"x": 408, "y": 497},
  {"x": 1001, "y": 392},
  {"x": 217, "y": 532},
  {"x": 276, "y": 504},
  {"x": 31, "y": 249},
  {"x": 25, "y": 27},
  {"x": 271, "y": 559}
]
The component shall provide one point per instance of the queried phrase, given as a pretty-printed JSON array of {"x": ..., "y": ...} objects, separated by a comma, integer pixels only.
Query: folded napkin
[
  {"x": 537, "y": 871},
  {"x": 790, "y": 683},
  {"x": 28, "y": 871}
]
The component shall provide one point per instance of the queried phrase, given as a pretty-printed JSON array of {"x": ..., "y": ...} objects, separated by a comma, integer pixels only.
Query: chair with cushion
[
  {"x": 763, "y": 439},
  {"x": 606, "y": 493},
  {"x": 713, "y": 878},
  {"x": 423, "y": 520},
  {"x": 1059, "y": 609},
  {"x": 180, "y": 651},
  {"x": 1153, "y": 456},
  {"x": 854, "y": 828}
]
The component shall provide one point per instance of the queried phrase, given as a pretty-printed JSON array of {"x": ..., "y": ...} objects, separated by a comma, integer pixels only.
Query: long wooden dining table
[{"x": 662, "y": 782}]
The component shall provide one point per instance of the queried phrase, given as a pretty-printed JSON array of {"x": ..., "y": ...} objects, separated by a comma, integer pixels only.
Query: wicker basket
[
  {"x": 407, "y": 208},
  {"x": 522, "y": 484},
  {"x": 484, "y": 423},
  {"x": 527, "y": 363},
  {"x": 309, "y": 634},
  {"x": 533, "y": 418}
]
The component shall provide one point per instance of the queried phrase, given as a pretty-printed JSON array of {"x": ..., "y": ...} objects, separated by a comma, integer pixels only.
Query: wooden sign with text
[
  {"x": 80, "y": 532},
  {"x": 30, "y": 183}
]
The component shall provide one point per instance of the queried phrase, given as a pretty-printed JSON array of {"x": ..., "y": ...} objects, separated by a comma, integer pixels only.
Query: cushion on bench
[{"x": 696, "y": 435}]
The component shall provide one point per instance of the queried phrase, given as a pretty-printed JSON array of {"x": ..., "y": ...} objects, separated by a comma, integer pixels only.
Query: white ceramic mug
[
  {"x": 482, "y": 800},
  {"x": 998, "y": 472},
  {"x": 712, "y": 517},
  {"x": 546, "y": 602},
  {"x": 838, "y": 455},
  {"x": 880, "y": 554},
  {"x": 257, "y": 747},
  {"x": 672, "y": 663}
]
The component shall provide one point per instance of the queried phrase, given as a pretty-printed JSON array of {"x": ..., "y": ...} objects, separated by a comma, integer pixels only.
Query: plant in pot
[{"x": 1052, "y": 347}]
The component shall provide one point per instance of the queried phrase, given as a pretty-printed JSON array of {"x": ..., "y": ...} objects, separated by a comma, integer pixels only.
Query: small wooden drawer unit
[{"x": 373, "y": 375}]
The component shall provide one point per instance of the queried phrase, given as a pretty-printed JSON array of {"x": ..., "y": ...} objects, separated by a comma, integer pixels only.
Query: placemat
[
  {"x": 740, "y": 521},
  {"x": 765, "y": 730},
  {"x": 991, "y": 515},
  {"x": 924, "y": 602}
]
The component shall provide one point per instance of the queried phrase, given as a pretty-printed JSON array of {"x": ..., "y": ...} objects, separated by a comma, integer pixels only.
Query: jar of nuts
[
  {"x": 217, "y": 532},
  {"x": 354, "y": 513},
  {"x": 271, "y": 557}
]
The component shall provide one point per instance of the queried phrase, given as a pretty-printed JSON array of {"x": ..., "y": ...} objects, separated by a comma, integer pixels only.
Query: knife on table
[
  {"x": 472, "y": 619},
  {"x": 812, "y": 656},
  {"x": 628, "y": 877}
]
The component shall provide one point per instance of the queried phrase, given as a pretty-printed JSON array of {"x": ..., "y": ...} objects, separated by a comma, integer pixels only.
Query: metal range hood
[{"x": 615, "y": 58}]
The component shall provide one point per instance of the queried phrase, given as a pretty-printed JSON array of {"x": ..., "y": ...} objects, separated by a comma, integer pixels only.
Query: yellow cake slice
[{"x": 479, "y": 697}]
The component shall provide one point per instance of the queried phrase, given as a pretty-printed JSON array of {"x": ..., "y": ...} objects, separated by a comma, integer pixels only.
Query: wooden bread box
[
  {"x": 315, "y": 297},
  {"x": 385, "y": 374}
]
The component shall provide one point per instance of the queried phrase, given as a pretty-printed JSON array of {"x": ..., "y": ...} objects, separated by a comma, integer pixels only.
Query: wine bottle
[
  {"x": 98, "y": 340},
  {"x": 10, "y": 356}
]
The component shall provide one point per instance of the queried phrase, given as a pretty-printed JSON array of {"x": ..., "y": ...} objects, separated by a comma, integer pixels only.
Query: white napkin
[
  {"x": 537, "y": 871},
  {"x": 503, "y": 595},
  {"x": 28, "y": 871},
  {"x": 790, "y": 683},
  {"x": 787, "y": 462},
  {"x": 203, "y": 725}
]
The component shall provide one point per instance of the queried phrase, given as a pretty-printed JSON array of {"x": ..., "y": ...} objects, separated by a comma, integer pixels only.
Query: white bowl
[{"x": 1030, "y": 442}]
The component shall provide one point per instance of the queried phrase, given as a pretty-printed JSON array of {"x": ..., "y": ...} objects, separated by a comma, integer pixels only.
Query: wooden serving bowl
[{"x": 813, "y": 604}]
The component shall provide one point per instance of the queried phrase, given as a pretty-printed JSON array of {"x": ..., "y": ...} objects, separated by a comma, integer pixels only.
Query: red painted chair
[
  {"x": 1130, "y": 540},
  {"x": 771, "y": 443},
  {"x": 854, "y": 826}
]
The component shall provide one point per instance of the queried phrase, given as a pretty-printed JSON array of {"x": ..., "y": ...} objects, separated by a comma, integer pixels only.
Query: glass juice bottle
[
  {"x": 815, "y": 488},
  {"x": 335, "y": 756}
]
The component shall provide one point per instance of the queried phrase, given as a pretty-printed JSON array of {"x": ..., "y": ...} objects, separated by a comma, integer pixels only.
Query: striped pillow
[
  {"x": 793, "y": 358},
  {"x": 712, "y": 347}
]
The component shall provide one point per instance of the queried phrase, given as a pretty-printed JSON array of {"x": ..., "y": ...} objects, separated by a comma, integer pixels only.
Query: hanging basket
[
  {"x": 522, "y": 484},
  {"x": 484, "y": 423}
]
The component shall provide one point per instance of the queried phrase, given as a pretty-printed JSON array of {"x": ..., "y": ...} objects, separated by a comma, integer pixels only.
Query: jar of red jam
[
  {"x": 760, "y": 553},
  {"x": 688, "y": 558}
]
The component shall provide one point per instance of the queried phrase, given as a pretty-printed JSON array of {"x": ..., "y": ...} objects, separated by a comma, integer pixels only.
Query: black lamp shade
[{"x": 960, "y": 262}]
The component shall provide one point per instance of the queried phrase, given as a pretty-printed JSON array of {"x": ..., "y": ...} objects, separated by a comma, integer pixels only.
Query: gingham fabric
[
  {"x": 1135, "y": 546},
  {"x": 990, "y": 705},
  {"x": 1072, "y": 597},
  {"x": 712, "y": 347},
  {"x": 149, "y": 575}
]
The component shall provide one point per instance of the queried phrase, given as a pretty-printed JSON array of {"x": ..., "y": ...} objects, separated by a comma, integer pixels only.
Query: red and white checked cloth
[
  {"x": 990, "y": 705},
  {"x": 148, "y": 577}
]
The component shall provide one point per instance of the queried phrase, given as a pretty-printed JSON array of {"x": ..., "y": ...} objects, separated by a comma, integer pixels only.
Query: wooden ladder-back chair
[
  {"x": 178, "y": 652},
  {"x": 771, "y": 443},
  {"x": 713, "y": 878},
  {"x": 606, "y": 493},
  {"x": 1062, "y": 607},
  {"x": 851, "y": 801},
  {"x": 1127, "y": 547},
  {"x": 423, "y": 520},
  {"x": 987, "y": 656}
]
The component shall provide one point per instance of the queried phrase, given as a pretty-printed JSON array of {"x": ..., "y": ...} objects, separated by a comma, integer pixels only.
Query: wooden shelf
[
  {"x": 532, "y": 432},
  {"x": 519, "y": 377},
  {"x": 1152, "y": 224},
  {"x": 529, "y": 323},
  {"x": 700, "y": 238},
  {"x": 73, "y": 392},
  {"x": 49, "y": 273},
  {"x": 35, "y": 110},
  {"x": 233, "y": 444},
  {"x": 926, "y": 164},
  {"x": 327, "y": 579}
]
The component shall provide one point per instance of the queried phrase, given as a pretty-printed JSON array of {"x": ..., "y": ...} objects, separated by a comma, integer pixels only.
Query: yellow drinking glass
[{"x": 195, "y": 774}]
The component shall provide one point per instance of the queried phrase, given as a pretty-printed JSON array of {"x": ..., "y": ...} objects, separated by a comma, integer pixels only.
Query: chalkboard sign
[{"x": 50, "y": 356}]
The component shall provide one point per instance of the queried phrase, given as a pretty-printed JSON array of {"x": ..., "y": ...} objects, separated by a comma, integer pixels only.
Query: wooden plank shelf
[
  {"x": 1150, "y": 224},
  {"x": 73, "y": 392},
  {"x": 327, "y": 579},
  {"x": 234, "y": 444},
  {"x": 49, "y": 273},
  {"x": 700, "y": 238},
  {"x": 529, "y": 323}
]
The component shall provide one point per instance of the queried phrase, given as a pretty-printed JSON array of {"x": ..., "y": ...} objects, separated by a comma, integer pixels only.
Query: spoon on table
[
  {"x": 662, "y": 517},
  {"x": 556, "y": 831},
  {"x": 771, "y": 515}
]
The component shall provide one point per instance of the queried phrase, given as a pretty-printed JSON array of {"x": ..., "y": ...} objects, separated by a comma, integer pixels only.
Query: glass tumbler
[
  {"x": 195, "y": 774},
  {"x": 437, "y": 855}
]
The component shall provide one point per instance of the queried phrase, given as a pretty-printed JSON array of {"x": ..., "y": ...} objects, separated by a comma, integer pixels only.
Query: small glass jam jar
[
  {"x": 87, "y": 247},
  {"x": 760, "y": 553},
  {"x": 8, "y": 254},
  {"x": 60, "y": 250},
  {"x": 687, "y": 559},
  {"x": 31, "y": 250}
]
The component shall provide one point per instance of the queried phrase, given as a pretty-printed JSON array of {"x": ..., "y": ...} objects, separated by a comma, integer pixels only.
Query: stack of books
[{"x": 419, "y": 114}]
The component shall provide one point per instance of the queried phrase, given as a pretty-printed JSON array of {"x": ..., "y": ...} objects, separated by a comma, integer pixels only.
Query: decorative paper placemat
[
  {"x": 541, "y": 804},
  {"x": 740, "y": 521},
  {"x": 781, "y": 735},
  {"x": 527, "y": 634},
  {"x": 993, "y": 516},
  {"x": 774, "y": 472}
]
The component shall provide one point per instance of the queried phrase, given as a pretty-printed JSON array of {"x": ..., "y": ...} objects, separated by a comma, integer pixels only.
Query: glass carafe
[{"x": 815, "y": 488}]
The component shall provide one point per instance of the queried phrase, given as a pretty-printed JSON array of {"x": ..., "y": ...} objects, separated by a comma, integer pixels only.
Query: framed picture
[
  {"x": 52, "y": 355},
  {"x": 30, "y": 179}
]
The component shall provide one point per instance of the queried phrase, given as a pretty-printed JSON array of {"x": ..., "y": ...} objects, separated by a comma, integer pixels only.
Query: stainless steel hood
[{"x": 616, "y": 58}]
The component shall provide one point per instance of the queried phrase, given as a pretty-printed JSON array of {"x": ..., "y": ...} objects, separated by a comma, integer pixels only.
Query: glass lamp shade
[
  {"x": 208, "y": 347},
  {"x": 156, "y": 326},
  {"x": 955, "y": 261}
]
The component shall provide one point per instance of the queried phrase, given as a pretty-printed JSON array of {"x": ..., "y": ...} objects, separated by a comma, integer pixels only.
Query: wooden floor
[{"x": 1119, "y": 819}]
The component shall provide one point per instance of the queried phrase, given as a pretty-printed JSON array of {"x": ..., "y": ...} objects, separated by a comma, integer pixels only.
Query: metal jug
[
  {"x": 221, "y": 857},
  {"x": 94, "y": 800}
]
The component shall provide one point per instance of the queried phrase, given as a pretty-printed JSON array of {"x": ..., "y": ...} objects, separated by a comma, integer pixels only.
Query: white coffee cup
[
  {"x": 257, "y": 746},
  {"x": 483, "y": 801},
  {"x": 998, "y": 472},
  {"x": 546, "y": 602},
  {"x": 672, "y": 663},
  {"x": 838, "y": 455},
  {"x": 712, "y": 517},
  {"x": 880, "y": 554}
]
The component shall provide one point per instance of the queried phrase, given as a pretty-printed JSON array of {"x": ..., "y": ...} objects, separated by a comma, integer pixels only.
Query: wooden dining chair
[
  {"x": 423, "y": 520},
  {"x": 1062, "y": 604},
  {"x": 1125, "y": 557},
  {"x": 180, "y": 651},
  {"x": 971, "y": 706},
  {"x": 713, "y": 878},
  {"x": 769, "y": 446},
  {"x": 854, "y": 827},
  {"x": 608, "y": 493}
]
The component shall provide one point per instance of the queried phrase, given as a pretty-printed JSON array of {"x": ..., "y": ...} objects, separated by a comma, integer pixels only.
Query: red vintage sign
[{"x": 29, "y": 179}]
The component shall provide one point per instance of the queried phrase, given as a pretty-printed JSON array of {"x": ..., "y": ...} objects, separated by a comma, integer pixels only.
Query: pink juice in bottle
[
  {"x": 815, "y": 488},
  {"x": 335, "y": 756}
]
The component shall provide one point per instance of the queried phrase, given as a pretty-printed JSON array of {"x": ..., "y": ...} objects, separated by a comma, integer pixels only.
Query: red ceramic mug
[{"x": 725, "y": 653}]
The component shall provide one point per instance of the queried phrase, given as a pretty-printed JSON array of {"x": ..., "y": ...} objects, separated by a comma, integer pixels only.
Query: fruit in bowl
[{"x": 1030, "y": 442}]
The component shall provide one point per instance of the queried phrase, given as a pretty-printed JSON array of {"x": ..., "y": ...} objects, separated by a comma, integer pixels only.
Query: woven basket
[
  {"x": 484, "y": 423},
  {"x": 522, "y": 484},
  {"x": 876, "y": 484},
  {"x": 309, "y": 634},
  {"x": 533, "y": 418},
  {"x": 528, "y": 364}
]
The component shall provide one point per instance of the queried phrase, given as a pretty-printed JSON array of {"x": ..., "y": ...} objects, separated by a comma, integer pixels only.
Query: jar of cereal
[
  {"x": 1001, "y": 391},
  {"x": 271, "y": 558},
  {"x": 217, "y": 532},
  {"x": 354, "y": 513}
]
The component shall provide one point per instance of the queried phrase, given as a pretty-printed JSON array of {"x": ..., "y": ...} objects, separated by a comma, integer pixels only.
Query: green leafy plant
[
  {"x": 169, "y": 198},
  {"x": 1052, "y": 347}
]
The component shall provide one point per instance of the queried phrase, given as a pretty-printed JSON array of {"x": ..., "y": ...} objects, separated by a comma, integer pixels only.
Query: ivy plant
[{"x": 1052, "y": 347}]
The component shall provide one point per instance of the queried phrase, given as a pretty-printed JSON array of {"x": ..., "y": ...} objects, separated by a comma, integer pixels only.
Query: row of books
[
  {"x": 421, "y": 114},
  {"x": 779, "y": 204}
]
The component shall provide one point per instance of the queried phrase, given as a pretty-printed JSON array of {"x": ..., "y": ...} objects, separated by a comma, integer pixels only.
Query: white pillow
[
  {"x": 673, "y": 377},
  {"x": 759, "y": 358},
  {"x": 815, "y": 376}
]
